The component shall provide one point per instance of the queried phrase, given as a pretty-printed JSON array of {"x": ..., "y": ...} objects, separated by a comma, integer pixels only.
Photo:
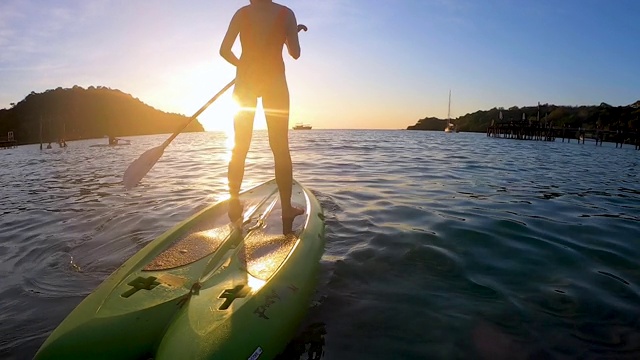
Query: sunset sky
[{"x": 375, "y": 64}]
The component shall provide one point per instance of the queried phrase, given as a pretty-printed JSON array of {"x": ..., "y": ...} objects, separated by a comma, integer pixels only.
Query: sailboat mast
[{"x": 449, "y": 110}]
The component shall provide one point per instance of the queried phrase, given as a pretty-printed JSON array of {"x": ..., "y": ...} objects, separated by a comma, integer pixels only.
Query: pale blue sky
[{"x": 364, "y": 64}]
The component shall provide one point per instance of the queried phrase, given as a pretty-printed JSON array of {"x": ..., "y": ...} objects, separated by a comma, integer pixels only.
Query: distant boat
[
  {"x": 113, "y": 141},
  {"x": 451, "y": 127},
  {"x": 301, "y": 126}
]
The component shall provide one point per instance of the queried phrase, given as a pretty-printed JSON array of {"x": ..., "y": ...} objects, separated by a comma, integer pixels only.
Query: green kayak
[{"x": 209, "y": 288}]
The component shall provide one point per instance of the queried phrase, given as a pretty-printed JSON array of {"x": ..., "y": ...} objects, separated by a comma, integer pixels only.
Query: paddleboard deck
[{"x": 208, "y": 288}]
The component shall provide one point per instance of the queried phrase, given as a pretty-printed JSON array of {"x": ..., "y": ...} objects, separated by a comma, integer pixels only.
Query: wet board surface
[
  {"x": 264, "y": 248},
  {"x": 219, "y": 286}
]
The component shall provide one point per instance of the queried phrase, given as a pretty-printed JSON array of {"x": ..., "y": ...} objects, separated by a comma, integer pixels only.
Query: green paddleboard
[{"x": 209, "y": 288}]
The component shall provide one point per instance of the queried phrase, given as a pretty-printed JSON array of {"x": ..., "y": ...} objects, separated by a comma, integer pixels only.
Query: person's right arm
[
  {"x": 229, "y": 39},
  {"x": 293, "y": 44}
]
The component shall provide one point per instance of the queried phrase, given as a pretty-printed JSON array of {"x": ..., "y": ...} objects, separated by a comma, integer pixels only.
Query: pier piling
[{"x": 538, "y": 131}]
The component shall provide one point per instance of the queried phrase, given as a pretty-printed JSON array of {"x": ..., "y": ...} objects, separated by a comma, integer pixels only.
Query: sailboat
[
  {"x": 450, "y": 126},
  {"x": 40, "y": 132}
]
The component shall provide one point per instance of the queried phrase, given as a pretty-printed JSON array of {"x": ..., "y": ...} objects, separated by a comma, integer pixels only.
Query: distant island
[
  {"x": 79, "y": 113},
  {"x": 603, "y": 116}
]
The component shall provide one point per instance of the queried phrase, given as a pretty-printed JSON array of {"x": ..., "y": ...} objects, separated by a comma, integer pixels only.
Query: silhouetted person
[{"x": 264, "y": 28}]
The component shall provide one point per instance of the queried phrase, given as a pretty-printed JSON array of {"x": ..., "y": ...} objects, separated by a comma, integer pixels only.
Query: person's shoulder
[
  {"x": 242, "y": 10},
  {"x": 240, "y": 14},
  {"x": 284, "y": 8}
]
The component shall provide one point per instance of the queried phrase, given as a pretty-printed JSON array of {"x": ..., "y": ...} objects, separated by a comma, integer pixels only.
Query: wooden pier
[
  {"x": 9, "y": 142},
  {"x": 524, "y": 130}
]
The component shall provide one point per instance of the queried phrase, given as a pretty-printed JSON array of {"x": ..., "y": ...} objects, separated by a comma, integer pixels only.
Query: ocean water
[{"x": 439, "y": 246}]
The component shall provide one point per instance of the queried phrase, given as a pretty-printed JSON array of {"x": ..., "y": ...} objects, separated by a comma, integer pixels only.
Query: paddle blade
[{"x": 141, "y": 166}]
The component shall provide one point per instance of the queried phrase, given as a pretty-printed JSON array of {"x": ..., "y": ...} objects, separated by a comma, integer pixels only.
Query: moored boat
[{"x": 301, "y": 126}]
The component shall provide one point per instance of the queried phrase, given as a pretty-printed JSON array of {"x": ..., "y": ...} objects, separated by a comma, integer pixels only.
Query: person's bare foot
[
  {"x": 287, "y": 219},
  {"x": 291, "y": 212},
  {"x": 235, "y": 209}
]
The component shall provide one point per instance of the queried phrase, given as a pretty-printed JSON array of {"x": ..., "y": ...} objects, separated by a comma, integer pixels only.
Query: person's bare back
[
  {"x": 263, "y": 16},
  {"x": 257, "y": 25}
]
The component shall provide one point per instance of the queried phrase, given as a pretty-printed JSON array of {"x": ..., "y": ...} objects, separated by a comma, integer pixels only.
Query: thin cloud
[
  {"x": 10, "y": 14},
  {"x": 33, "y": 36}
]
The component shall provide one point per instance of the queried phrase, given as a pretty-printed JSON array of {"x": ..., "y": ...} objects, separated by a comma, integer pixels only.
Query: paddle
[{"x": 141, "y": 166}]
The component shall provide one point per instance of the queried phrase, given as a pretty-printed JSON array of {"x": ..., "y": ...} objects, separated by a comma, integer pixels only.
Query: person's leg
[
  {"x": 243, "y": 129},
  {"x": 275, "y": 102}
]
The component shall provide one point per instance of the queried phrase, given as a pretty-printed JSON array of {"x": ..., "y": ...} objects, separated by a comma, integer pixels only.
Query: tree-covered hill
[
  {"x": 603, "y": 116},
  {"x": 429, "y": 123},
  {"x": 79, "y": 113}
]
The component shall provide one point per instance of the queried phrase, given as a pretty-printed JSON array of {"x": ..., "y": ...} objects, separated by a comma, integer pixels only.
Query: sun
[{"x": 220, "y": 115}]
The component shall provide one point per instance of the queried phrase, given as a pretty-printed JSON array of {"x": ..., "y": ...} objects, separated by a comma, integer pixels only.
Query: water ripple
[{"x": 438, "y": 246}]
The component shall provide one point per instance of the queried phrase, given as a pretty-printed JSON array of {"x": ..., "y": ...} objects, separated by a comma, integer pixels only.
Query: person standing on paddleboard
[{"x": 264, "y": 27}]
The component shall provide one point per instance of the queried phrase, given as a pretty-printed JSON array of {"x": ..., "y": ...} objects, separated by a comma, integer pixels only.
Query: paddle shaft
[{"x": 203, "y": 108}]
